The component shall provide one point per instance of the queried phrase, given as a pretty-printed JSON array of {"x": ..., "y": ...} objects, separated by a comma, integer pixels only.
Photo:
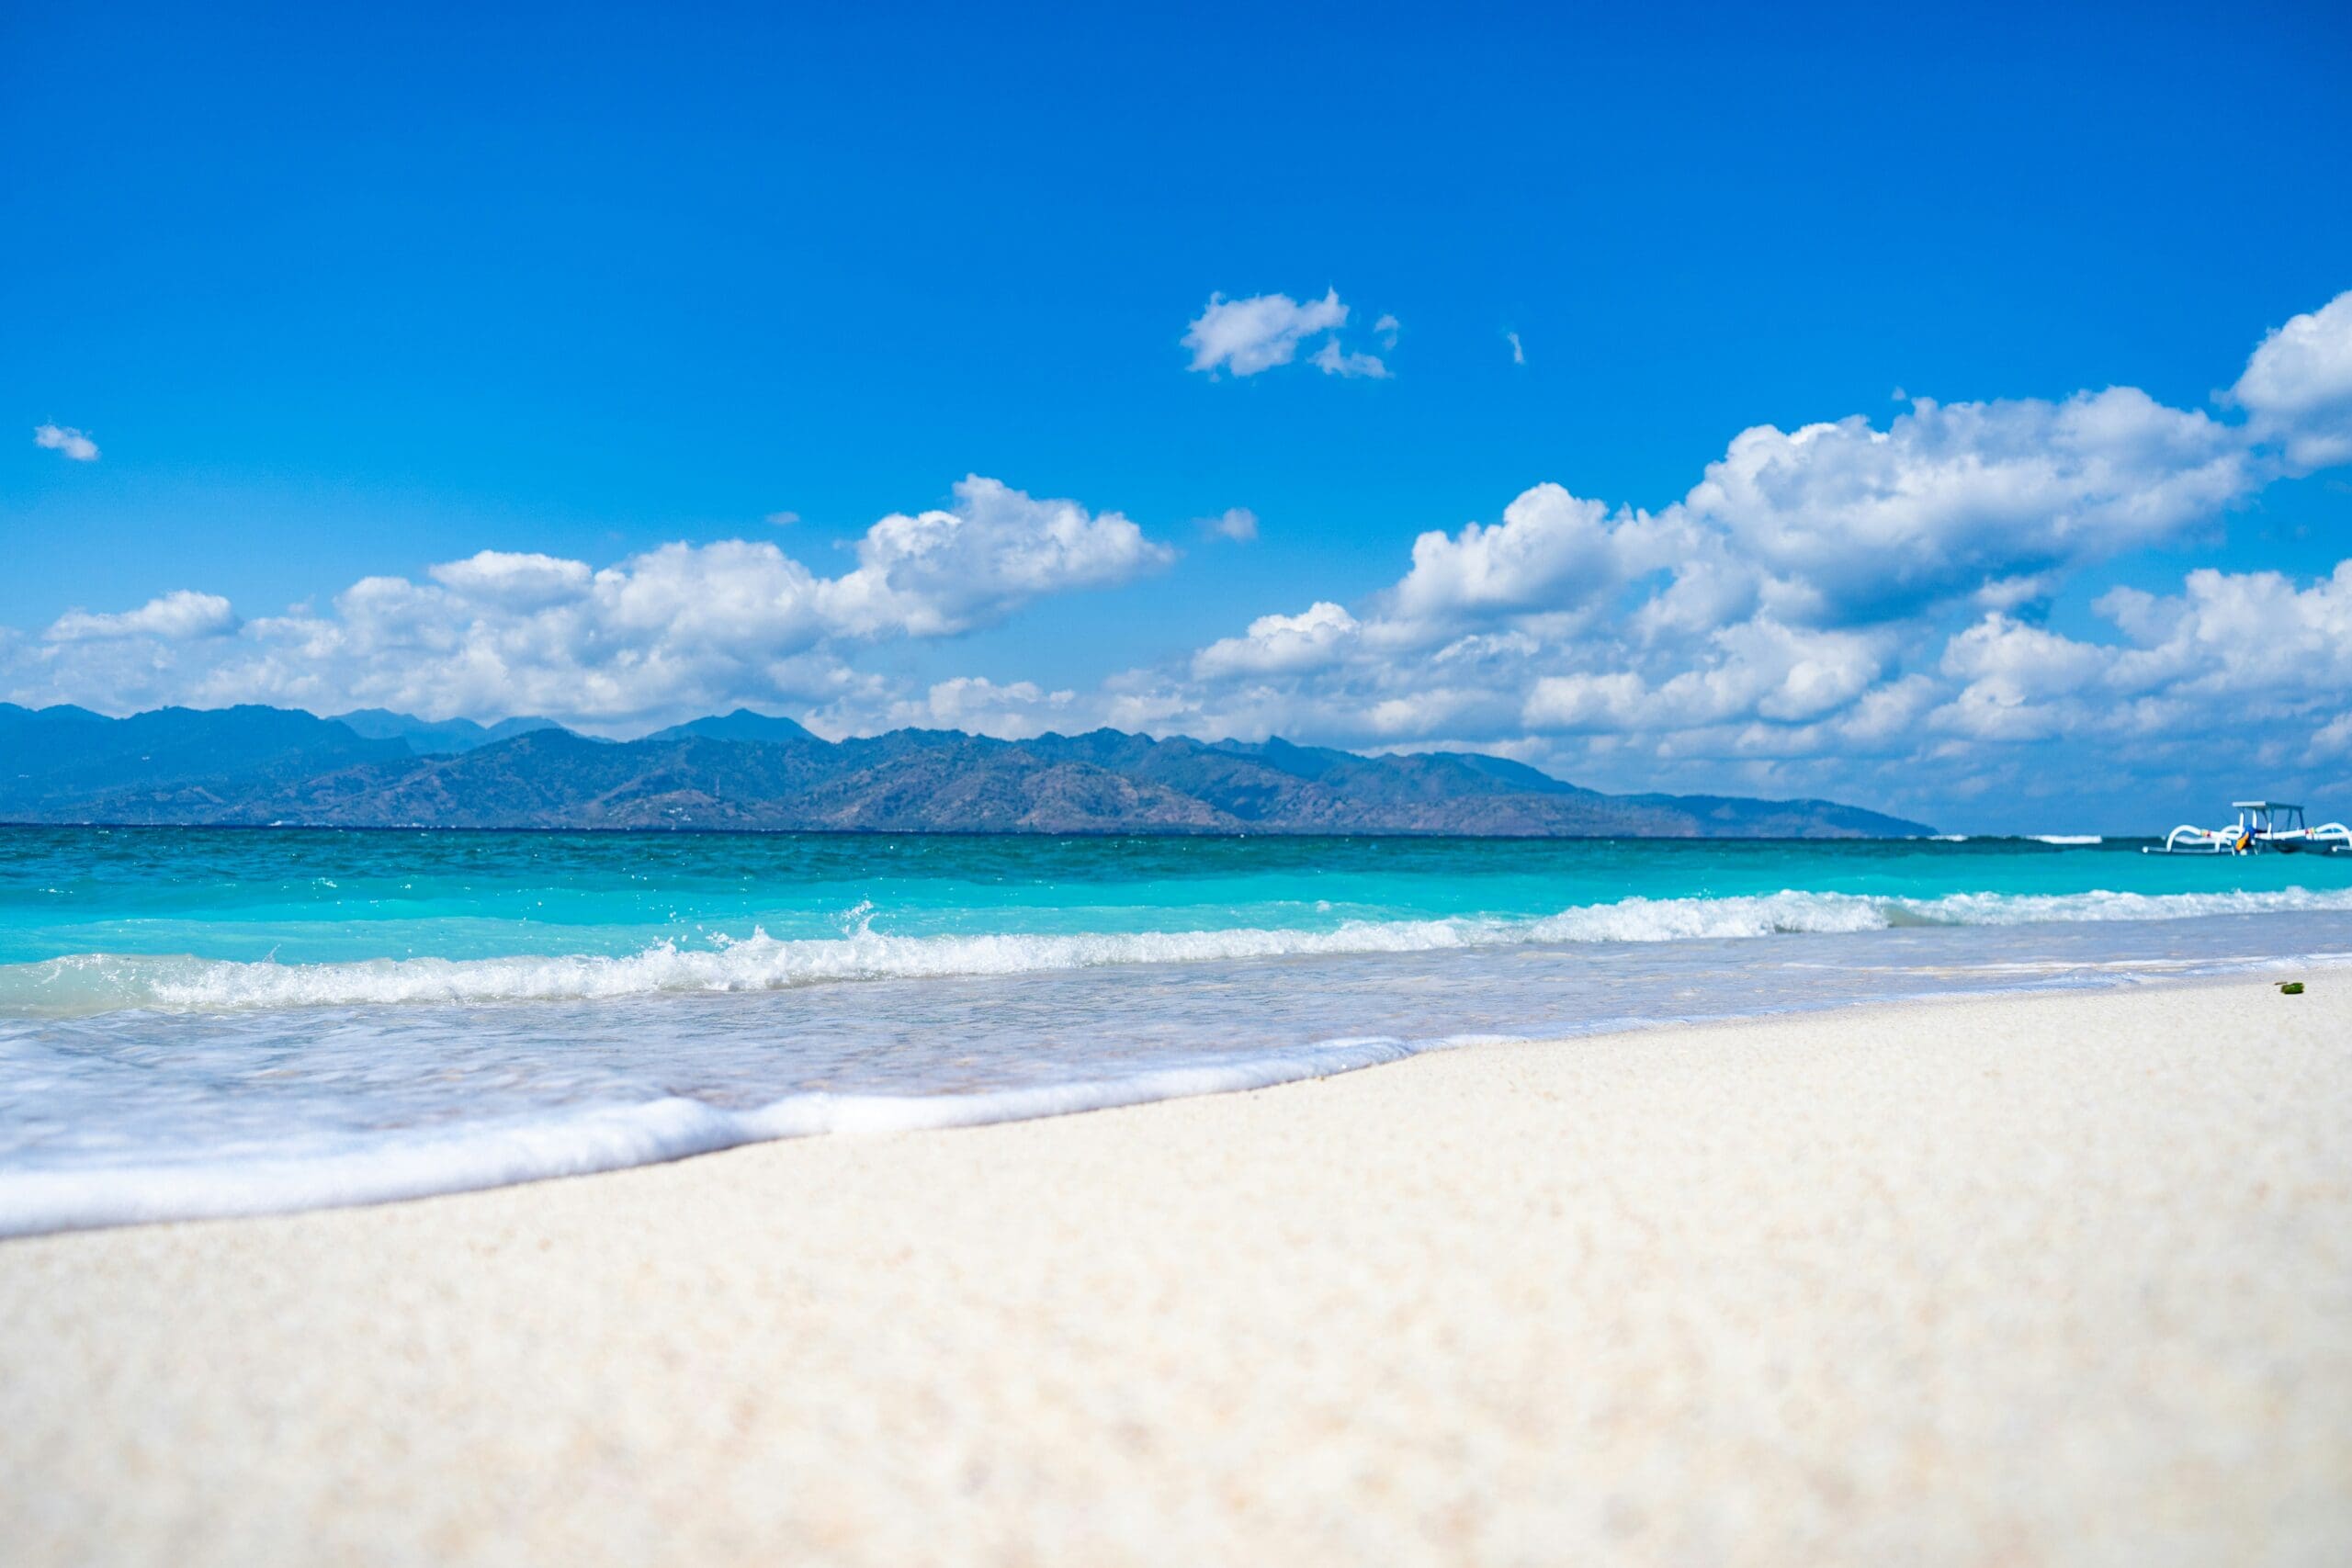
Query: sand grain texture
[{"x": 2063, "y": 1279}]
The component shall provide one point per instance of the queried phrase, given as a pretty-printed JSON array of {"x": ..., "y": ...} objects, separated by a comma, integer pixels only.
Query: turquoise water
[
  {"x": 322, "y": 896},
  {"x": 218, "y": 1020}
]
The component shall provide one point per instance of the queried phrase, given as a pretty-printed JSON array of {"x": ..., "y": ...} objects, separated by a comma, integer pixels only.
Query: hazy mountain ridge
[
  {"x": 431, "y": 737},
  {"x": 254, "y": 765}
]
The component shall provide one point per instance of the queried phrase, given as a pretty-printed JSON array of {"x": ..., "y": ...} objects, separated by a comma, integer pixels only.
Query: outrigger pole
[{"x": 2262, "y": 826}]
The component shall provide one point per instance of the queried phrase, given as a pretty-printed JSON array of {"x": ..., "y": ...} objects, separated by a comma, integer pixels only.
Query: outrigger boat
[{"x": 2262, "y": 824}]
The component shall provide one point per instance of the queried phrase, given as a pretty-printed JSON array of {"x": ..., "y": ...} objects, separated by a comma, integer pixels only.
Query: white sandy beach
[{"x": 2053, "y": 1280}]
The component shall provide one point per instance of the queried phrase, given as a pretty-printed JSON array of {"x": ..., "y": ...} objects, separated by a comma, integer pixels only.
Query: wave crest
[{"x": 94, "y": 983}]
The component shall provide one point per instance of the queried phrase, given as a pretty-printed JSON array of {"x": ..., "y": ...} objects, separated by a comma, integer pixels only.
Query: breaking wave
[{"x": 87, "y": 984}]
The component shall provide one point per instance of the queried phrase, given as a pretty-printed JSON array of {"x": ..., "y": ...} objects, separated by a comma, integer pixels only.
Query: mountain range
[{"x": 372, "y": 768}]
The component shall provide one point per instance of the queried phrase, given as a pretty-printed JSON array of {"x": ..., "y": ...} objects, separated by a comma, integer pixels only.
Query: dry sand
[{"x": 2063, "y": 1279}]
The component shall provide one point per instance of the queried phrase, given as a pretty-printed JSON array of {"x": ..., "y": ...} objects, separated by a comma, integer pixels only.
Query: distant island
[{"x": 253, "y": 766}]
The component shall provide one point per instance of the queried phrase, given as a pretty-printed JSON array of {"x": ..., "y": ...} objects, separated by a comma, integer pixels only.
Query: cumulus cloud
[
  {"x": 74, "y": 443},
  {"x": 2230, "y": 651},
  {"x": 1846, "y": 524},
  {"x": 1848, "y": 607},
  {"x": 1550, "y": 551},
  {"x": 2010, "y": 674},
  {"x": 671, "y": 631},
  {"x": 2297, "y": 388},
  {"x": 174, "y": 617},
  {"x": 1387, "y": 330},
  {"x": 2236, "y": 634},
  {"x": 1948, "y": 497},
  {"x": 942, "y": 571},
  {"x": 1757, "y": 669},
  {"x": 1838, "y": 590},
  {"x": 1236, "y": 522},
  {"x": 1280, "y": 643}
]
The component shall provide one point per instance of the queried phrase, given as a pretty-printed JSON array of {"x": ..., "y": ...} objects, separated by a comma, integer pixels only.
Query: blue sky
[{"x": 340, "y": 297}]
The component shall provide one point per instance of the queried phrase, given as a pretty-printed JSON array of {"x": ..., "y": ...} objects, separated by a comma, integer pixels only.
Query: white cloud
[
  {"x": 2297, "y": 388},
  {"x": 1948, "y": 497},
  {"x": 1609, "y": 700},
  {"x": 943, "y": 572},
  {"x": 513, "y": 581},
  {"x": 1280, "y": 644},
  {"x": 1550, "y": 551},
  {"x": 1017, "y": 711},
  {"x": 1237, "y": 523},
  {"x": 677, "y": 630},
  {"x": 1843, "y": 523},
  {"x": 174, "y": 617},
  {"x": 1245, "y": 336},
  {"x": 1840, "y": 589},
  {"x": 2010, "y": 671},
  {"x": 2229, "y": 635},
  {"x": 2233, "y": 652},
  {"x": 783, "y": 519},
  {"x": 73, "y": 443},
  {"x": 1333, "y": 360},
  {"x": 1518, "y": 354},
  {"x": 1759, "y": 668},
  {"x": 1845, "y": 607}
]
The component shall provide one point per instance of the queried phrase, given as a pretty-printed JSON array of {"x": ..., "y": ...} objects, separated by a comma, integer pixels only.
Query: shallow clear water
[{"x": 208, "y": 1021}]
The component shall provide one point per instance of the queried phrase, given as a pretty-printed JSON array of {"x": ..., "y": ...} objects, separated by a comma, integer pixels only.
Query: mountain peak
[{"x": 744, "y": 726}]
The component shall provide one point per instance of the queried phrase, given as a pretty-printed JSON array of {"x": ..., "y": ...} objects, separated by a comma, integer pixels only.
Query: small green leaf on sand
[{"x": 2291, "y": 987}]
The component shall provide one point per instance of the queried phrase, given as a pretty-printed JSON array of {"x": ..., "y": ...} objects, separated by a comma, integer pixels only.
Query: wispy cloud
[
  {"x": 1237, "y": 523},
  {"x": 1385, "y": 330},
  {"x": 64, "y": 438},
  {"x": 1333, "y": 360},
  {"x": 1518, "y": 352},
  {"x": 783, "y": 519}
]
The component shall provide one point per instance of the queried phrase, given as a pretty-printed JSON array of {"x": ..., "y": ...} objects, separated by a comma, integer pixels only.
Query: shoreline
[
  {"x": 2057, "y": 1276},
  {"x": 607, "y": 1140}
]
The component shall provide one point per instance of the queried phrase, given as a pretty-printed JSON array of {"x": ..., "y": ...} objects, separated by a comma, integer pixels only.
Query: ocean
[{"x": 201, "y": 1021}]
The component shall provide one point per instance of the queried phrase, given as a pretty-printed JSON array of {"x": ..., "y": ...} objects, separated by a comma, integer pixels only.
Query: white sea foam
[
  {"x": 95, "y": 983},
  {"x": 2066, "y": 838},
  {"x": 335, "y": 1175}
]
